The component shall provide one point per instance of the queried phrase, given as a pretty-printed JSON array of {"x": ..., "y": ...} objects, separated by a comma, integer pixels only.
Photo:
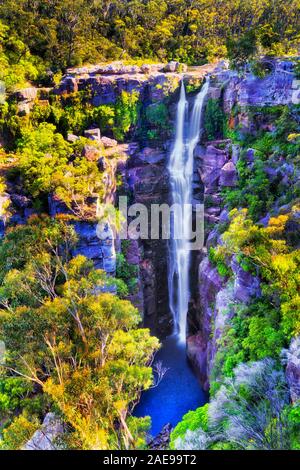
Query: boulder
[
  {"x": 91, "y": 153},
  {"x": 72, "y": 138},
  {"x": 108, "y": 143},
  {"x": 228, "y": 176},
  {"x": 93, "y": 134},
  {"x": 151, "y": 155},
  {"x": 246, "y": 285},
  {"x": 24, "y": 108},
  {"x": 27, "y": 94},
  {"x": 174, "y": 66},
  {"x": 44, "y": 438}
]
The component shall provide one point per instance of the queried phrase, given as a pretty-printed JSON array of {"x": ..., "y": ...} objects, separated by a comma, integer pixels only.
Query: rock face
[
  {"x": 216, "y": 170},
  {"x": 216, "y": 165},
  {"x": 162, "y": 440},
  {"x": 293, "y": 368},
  {"x": 151, "y": 81},
  {"x": 44, "y": 438},
  {"x": 246, "y": 286},
  {"x": 25, "y": 99},
  {"x": 134, "y": 258},
  {"x": 96, "y": 242},
  {"x": 147, "y": 181},
  {"x": 199, "y": 345},
  {"x": 277, "y": 88}
]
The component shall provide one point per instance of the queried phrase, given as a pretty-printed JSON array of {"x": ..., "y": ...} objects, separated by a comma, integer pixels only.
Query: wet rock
[
  {"x": 210, "y": 283},
  {"x": 162, "y": 440},
  {"x": 151, "y": 155}
]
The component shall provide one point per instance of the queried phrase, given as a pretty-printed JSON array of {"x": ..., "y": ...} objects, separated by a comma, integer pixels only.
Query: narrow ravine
[
  {"x": 179, "y": 391},
  {"x": 188, "y": 128}
]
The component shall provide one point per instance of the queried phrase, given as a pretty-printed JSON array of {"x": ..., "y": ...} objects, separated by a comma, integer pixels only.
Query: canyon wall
[{"x": 241, "y": 98}]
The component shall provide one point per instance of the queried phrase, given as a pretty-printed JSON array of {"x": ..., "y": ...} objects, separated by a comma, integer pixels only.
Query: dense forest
[
  {"x": 57, "y": 34},
  {"x": 73, "y": 344}
]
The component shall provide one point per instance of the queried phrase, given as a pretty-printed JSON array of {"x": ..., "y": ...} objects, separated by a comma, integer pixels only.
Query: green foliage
[
  {"x": 127, "y": 272},
  {"x": 218, "y": 259},
  {"x": 263, "y": 339},
  {"x": 261, "y": 68},
  {"x": 68, "y": 33},
  {"x": 17, "y": 65},
  {"x": 80, "y": 346},
  {"x": 126, "y": 114},
  {"x": 214, "y": 120},
  {"x": 191, "y": 421},
  {"x": 12, "y": 391},
  {"x": 242, "y": 49},
  {"x": 43, "y": 154},
  {"x": 18, "y": 432},
  {"x": 47, "y": 164}
]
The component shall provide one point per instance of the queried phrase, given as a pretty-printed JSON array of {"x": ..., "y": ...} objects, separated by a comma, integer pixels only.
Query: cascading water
[
  {"x": 179, "y": 391},
  {"x": 181, "y": 175}
]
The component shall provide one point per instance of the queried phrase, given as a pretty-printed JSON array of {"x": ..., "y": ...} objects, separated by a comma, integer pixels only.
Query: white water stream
[{"x": 188, "y": 132}]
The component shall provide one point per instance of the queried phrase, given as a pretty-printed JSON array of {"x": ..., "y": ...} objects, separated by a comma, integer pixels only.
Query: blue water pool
[{"x": 178, "y": 392}]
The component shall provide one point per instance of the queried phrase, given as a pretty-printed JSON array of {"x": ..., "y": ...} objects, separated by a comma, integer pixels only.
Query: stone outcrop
[
  {"x": 45, "y": 438},
  {"x": 216, "y": 170},
  {"x": 96, "y": 242},
  {"x": 277, "y": 88},
  {"x": 26, "y": 98},
  {"x": 246, "y": 286},
  {"x": 162, "y": 440},
  {"x": 152, "y": 81},
  {"x": 293, "y": 368}
]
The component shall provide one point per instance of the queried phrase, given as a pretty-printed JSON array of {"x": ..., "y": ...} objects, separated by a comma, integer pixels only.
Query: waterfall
[{"x": 181, "y": 175}]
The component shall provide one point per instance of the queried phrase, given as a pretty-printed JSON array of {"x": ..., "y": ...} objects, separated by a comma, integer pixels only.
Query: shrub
[{"x": 214, "y": 120}]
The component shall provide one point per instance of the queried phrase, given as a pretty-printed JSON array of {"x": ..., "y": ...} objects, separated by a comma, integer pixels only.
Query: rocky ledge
[{"x": 152, "y": 81}]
